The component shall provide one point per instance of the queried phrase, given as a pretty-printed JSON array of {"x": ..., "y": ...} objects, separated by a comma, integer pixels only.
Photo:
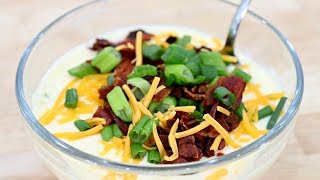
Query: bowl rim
[{"x": 169, "y": 169}]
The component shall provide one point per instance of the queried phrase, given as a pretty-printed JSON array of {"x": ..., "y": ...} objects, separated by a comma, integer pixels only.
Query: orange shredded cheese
[
  {"x": 96, "y": 121},
  {"x": 121, "y": 47},
  {"x": 193, "y": 130},
  {"x": 136, "y": 116},
  {"x": 223, "y": 110},
  {"x": 78, "y": 135},
  {"x": 158, "y": 141},
  {"x": 130, "y": 46},
  {"x": 139, "y": 48},
  {"x": 144, "y": 110},
  {"x": 148, "y": 148},
  {"x": 218, "y": 44},
  {"x": 172, "y": 114},
  {"x": 148, "y": 97},
  {"x": 251, "y": 129},
  {"x": 159, "y": 89},
  {"x": 183, "y": 108},
  {"x": 228, "y": 58},
  {"x": 216, "y": 143},
  {"x": 126, "y": 152},
  {"x": 221, "y": 130},
  {"x": 218, "y": 174},
  {"x": 173, "y": 142}
]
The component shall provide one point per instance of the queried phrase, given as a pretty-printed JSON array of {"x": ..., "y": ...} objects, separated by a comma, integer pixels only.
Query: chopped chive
[
  {"x": 135, "y": 132},
  {"x": 240, "y": 73},
  {"x": 198, "y": 80},
  {"x": 181, "y": 72},
  {"x": 170, "y": 79},
  {"x": 140, "y": 83},
  {"x": 119, "y": 104},
  {"x": 137, "y": 93},
  {"x": 225, "y": 96},
  {"x": 175, "y": 54},
  {"x": 194, "y": 67},
  {"x": 116, "y": 131},
  {"x": 146, "y": 131},
  {"x": 152, "y": 52},
  {"x": 276, "y": 113},
  {"x": 209, "y": 71},
  {"x": 137, "y": 151},
  {"x": 214, "y": 59},
  {"x": 238, "y": 111},
  {"x": 107, "y": 133},
  {"x": 186, "y": 102},
  {"x": 214, "y": 81},
  {"x": 71, "y": 98},
  {"x": 110, "y": 79},
  {"x": 198, "y": 115},
  {"x": 107, "y": 59},
  {"x": 154, "y": 156},
  {"x": 143, "y": 70},
  {"x": 184, "y": 41},
  {"x": 162, "y": 106},
  {"x": 82, "y": 70},
  {"x": 264, "y": 112},
  {"x": 82, "y": 125}
]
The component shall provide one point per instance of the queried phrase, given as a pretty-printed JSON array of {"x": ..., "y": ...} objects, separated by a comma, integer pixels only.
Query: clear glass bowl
[{"x": 257, "y": 39}]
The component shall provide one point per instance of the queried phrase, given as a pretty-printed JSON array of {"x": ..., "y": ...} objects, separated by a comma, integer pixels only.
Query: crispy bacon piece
[
  {"x": 162, "y": 94},
  {"x": 187, "y": 121},
  {"x": 176, "y": 92},
  {"x": 233, "y": 121},
  {"x": 165, "y": 141},
  {"x": 122, "y": 125},
  {"x": 100, "y": 44},
  {"x": 188, "y": 149},
  {"x": 177, "y": 161},
  {"x": 220, "y": 154},
  {"x": 131, "y": 38},
  {"x": 234, "y": 84},
  {"x": 171, "y": 39},
  {"x": 193, "y": 96},
  {"x": 206, "y": 148},
  {"x": 222, "y": 144},
  {"x": 103, "y": 113},
  {"x": 209, "y": 131}
]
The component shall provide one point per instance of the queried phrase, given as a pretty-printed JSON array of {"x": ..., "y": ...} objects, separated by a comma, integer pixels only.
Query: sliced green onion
[
  {"x": 153, "y": 107},
  {"x": 198, "y": 80},
  {"x": 152, "y": 52},
  {"x": 135, "y": 132},
  {"x": 162, "y": 106},
  {"x": 198, "y": 115},
  {"x": 82, "y": 70},
  {"x": 143, "y": 70},
  {"x": 116, "y": 131},
  {"x": 264, "y": 112},
  {"x": 193, "y": 64},
  {"x": 71, "y": 98},
  {"x": 119, "y": 104},
  {"x": 82, "y": 125},
  {"x": 140, "y": 83},
  {"x": 224, "y": 95},
  {"x": 276, "y": 113},
  {"x": 107, "y": 59},
  {"x": 137, "y": 151},
  {"x": 181, "y": 72},
  {"x": 175, "y": 54},
  {"x": 214, "y": 59},
  {"x": 137, "y": 93},
  {"x": 110, "y": 79},
  {"x": 170, "y": 80},
  {"x": 107, "y": 133},
  {"x": 154, "y": 156},
  {"x": 184, "y": 41},
  {"x": 240, "y": 73},
  {"x": 201, "y": 108},
  {"x": 186, "y": 102},
  {"x": 238, "y": 111},
  {"x": 210, "y": 72},
  {"x": 214, "y": 81},
  {"x": 146, "y": 131}
]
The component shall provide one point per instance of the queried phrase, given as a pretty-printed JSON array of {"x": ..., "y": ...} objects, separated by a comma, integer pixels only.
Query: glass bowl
[{"x": 257, "y": 39}]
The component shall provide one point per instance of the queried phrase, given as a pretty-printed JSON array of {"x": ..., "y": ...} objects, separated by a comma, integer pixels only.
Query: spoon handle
[{"x": 241, "y": 12}]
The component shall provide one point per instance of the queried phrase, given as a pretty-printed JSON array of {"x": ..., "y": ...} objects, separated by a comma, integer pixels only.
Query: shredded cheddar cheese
[
  {"x": 144, "y": 110},
  {"x": 218, "y": 44},
  {"x": 148, "y": 97},
  {"x": 218, "y": 174},
  {"x": 221, "y": 130},
  {"x": 251, "y": 129},
  {"x": 223, "y": 110},
  {"x": 159, "y": 89},
  {"x": 126, "y": 152},
  {"x": 130, "y": 46},
  {"x": 183, "y": 108},
  {"x": 172, "y": 114},
  {"x": 136, "y": 116},
  {"x": 78, "y": 135},
  {"x": 148, "y": 148},
  {"x": 228, "y": 58},
  {"x": 96, "y": 121},
  {"x": 173, "y": 142},
  {"x": 216, "y": 143},
  {"x": 158, "y": 141},
  {"x": 139, "y": 48},
  {"x": 193, "y": 130},
  {"x": 121, "y": 47}
]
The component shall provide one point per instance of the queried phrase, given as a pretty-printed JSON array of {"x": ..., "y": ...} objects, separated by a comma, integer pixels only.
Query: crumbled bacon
[
  {"x": 131, "y": 38},
  {"x": 122, "y": 125},
  {"x": 220, "y": 154},
  {"x": 105, "y": 114},
  {"x": 222, "y": 144},
  {"x": 162, "y": 94},
  {"x": 193, "y": 96},
  {"x": 233, "y": 121},
  {"x": 171, "y": 39},
  {"x": 165, "y": 141},
  {"x": 176, "y": 92},
  {"x": 188, "y": 149},
  {"x": 177, "y": 161},
  {"x": 100, "y": 44},
  {"x": 206, "y": 148}
]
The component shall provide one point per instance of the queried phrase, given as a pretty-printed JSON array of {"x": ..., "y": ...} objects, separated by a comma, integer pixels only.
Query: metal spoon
[{"x": 241, "y": 12}]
